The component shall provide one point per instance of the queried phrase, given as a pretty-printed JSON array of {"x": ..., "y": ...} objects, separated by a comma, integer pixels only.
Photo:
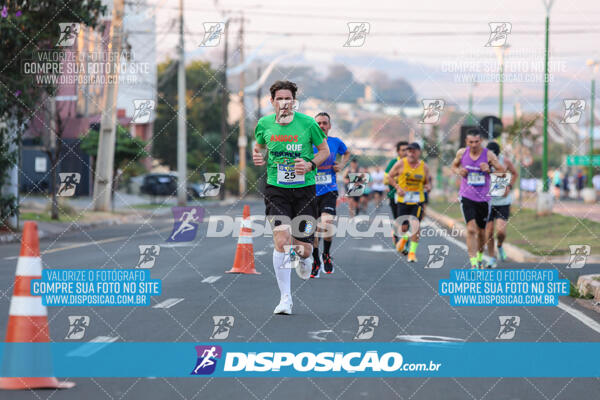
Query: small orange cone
[
  {"x": 244, "y": 254},
  {"x": 27, "y": 317}
]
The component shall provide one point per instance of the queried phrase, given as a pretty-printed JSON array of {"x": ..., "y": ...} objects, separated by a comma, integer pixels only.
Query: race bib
[
  {"x": 287, "y": 176},
  {"x": 476, "y": 179},
  {"x": 323, "y": 178},
  {"x": 412, "y": 197}
]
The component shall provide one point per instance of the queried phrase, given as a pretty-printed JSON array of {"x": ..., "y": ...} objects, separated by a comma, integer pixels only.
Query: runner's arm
[
  {"x": 427, "y": 186},
  {"x": 514, "y": 174},
  {"x": 257, "y": 154},
  {"x": 394, "y": 173},
  {"x": 493, "y": 160},
  {"x": 456, "y": 168},
  {"x": 345, "y": 157},
  {"x": 322, "y": 154}
]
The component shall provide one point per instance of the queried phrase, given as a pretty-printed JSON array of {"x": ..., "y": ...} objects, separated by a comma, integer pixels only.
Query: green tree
[
  {"x": 128, "y": 151},
  {"x": 27, "y": 27},
  {"x": 203, "y": 119}
]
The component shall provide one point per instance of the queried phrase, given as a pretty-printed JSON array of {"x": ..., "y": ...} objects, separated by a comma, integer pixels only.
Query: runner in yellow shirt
[{"x": 410, "y": 178}]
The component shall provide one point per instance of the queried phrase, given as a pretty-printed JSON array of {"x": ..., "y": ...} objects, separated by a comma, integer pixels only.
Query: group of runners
[{"x": 301, "y": 191}]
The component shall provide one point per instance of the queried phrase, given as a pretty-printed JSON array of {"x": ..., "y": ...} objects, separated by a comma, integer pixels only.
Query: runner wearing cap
[{"x": 410, "y": 178}]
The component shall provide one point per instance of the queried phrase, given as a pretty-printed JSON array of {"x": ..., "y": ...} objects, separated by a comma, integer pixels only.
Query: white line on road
[
  {"x": 77, "y": 245},
  {"x": 168, "y": 303},
  {"x": 580, "y": 316},
  {"x": 260, "y": 253},
  {"x": 211, "y": 279},
  {"x": 427, "y": 338},
  {"x": 87, "y": 349},
  {"x": 589, "y": 322}
]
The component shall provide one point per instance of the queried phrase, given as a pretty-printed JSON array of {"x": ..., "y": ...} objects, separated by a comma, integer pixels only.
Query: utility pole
[
  {"x": 242, "y": 139},
  {"x": 258, "y": 96},
  {"x": 106, "y": 142},
  {"x": 224, "y": 101},
  {"x": 181, "y": 119}
]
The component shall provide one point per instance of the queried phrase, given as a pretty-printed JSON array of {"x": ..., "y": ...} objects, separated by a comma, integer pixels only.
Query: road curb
[
  {"x": 513, "y": 252},
  {"x": 589, "y": 285}
]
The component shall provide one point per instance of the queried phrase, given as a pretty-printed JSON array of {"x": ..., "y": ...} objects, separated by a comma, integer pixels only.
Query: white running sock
[{"x": 283, "y": 275}]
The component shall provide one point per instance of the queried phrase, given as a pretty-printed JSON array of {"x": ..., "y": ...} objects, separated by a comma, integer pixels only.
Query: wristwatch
[{"x": 314, "y": 166}]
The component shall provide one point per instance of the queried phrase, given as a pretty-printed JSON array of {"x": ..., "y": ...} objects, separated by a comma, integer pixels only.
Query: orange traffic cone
[
  {"x": 244, "y": 254},
  {"x": 27, "y": 317}
]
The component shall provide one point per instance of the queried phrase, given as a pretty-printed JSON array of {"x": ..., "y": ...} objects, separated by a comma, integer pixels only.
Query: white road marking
[
  {"x": 86, "y": 350},
  {"x": 182, "y": 244},
  {"x": 427, "y": 338},
  {"x": 377, "y": 248},
  {"x": 211, "y": 279},
  {"x": 316, "y": 334},
  {"x": 589, "y": 322},
  {"x": 168, "y": 303},
  {"x": 592, "y": 324},
  {"x": 77, "y": 245},
  {"x": 260, "y": 253}
]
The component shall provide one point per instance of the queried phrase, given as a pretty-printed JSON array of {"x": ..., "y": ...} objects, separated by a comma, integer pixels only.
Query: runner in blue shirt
[{"x": 327, "y": 193}]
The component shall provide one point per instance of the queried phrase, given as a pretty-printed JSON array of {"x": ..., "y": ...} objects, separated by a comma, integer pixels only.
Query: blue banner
[{"x": 299, "y": 359}]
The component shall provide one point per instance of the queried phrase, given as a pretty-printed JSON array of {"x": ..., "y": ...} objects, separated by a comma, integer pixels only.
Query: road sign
[
  {"x": 583, "y": 161},
  {"x": 490, "y": 124}
]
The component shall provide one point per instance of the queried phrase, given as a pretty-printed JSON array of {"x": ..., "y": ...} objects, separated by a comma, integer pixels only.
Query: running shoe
[
  {"x": 481, "y": 264},
  {"x": 284, "y": 306},
  {"x": 327, "y": 264},
  {"x": 401, "y": 245},
  {"x": 412, "y": 257},
  {"x": 316, "y": 269},
  {"x": 493, "y": 263},
  {"x": 304, "y": 267},
  {"x": 502, "y": 253}
]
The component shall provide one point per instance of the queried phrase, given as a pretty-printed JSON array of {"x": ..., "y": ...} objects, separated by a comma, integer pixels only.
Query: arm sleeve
[
  {"x": 342, "y": 149},
  {"x": 316, "y": 134},
  {"x": 258, "y": 133}
]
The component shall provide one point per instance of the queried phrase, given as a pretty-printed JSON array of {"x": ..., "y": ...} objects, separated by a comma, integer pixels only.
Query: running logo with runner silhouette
[
  {"x": 579, "y": 254},
  {"x": 437, "y": 255},
  {"x": 77, "y": 326},
  {"x": 508, "y": 326},
  {"x": 213, "y": 184},
  {"x": 68, "y": 183},
  {"x": 142, "y": 111},
  {"x": 68, "y": 34},
  {"x": 148, "y": 254},
  {"x": 207, "y": 359},
  {"x": 366, "y": 326},
  {"x": 223, "y": 325},
  {"x": 185, "y": 224}
]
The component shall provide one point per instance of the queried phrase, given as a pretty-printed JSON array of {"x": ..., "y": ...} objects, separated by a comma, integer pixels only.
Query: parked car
[{"x": 159, "y": 185}]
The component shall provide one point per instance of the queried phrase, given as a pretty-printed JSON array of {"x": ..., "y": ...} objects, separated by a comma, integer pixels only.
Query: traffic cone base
[
  {"x": 34, "y": 383},
  {"x": 244, "y": 254},
  {"x": 28, "y": 318}
]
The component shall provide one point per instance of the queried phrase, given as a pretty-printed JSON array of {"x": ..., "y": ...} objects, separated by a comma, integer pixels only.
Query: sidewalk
[{"x": 570, "y": 208}]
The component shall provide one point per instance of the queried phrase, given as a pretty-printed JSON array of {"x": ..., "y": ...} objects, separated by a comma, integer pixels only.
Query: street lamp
[
  {"x": 591, "y": 195},
  {"x": 544, "y": 201},
  {"x": 595, "y": 64},
  {"x": 501, "y": 51},
  {"x": 471, "y": 116}
]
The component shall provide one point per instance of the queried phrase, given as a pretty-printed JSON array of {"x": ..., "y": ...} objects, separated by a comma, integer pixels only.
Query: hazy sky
[{"x": 442, "y": 40}]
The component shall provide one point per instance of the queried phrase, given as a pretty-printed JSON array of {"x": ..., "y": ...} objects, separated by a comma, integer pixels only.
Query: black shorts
[
  {"x": 477, "y": 210},
  {"x": 416, "y": 210},
  {"x": 499, "y": 212},
  {"x": 394, "y": 207},
  {"x": 327, "y": 202},
  {"x": 285, "y": 204}
]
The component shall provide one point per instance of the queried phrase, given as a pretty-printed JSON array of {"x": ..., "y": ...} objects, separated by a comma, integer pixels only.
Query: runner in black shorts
[
  {"x": 326, "y": 186},
  {"x": 289, "y": 136},
  {"x": 401, "y": 149}
]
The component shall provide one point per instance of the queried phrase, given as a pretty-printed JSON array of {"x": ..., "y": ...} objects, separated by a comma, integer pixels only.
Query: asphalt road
[{"x": 370, "y": 280}]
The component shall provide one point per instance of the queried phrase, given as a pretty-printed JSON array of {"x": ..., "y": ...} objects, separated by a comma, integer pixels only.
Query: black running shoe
[
  {"x": 316, "y": 269},
  {"x": 327, "y": 265}
]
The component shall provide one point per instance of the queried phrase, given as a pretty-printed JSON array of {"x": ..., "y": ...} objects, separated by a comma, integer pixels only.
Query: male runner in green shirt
[{"x": 288, "y": 137}]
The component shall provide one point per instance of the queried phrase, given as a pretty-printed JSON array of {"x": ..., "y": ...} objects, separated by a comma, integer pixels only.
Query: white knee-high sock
[{"x": 283, "y": 275}]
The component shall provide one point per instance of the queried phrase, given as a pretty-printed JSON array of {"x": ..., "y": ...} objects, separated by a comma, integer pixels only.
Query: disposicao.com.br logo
[{"x": 369, "y": 361}]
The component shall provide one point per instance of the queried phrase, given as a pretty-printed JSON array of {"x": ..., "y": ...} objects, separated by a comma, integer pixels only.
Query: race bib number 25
[{"x": 287, "y": 176}]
